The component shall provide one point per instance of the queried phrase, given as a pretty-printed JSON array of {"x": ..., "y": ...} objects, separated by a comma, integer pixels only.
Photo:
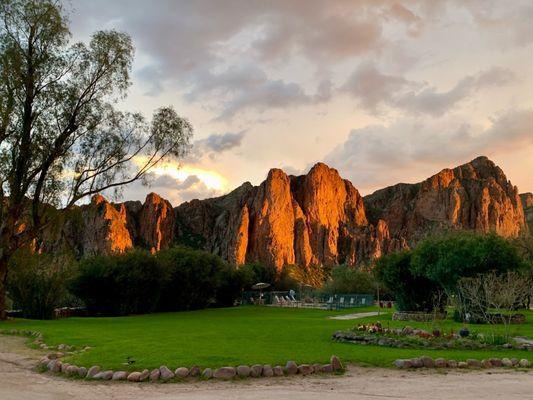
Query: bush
[
  {"x": 37, "y": 283},
  {"x": 345, "y": 279},
  {"x": 119, "y": 284}
]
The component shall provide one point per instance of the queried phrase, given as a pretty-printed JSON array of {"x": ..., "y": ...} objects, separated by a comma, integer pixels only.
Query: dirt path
[
  {"x": 357, "y": 315},
  {"x": 19, "y": 382}
]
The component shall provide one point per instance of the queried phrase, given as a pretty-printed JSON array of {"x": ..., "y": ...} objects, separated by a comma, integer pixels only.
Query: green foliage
[
  {"x": 139, "y": 282},
  {"x": 419, "y": 278},
  {"x": 346, "y": 279},
  {"x": 119, "y": 284},
  {"x": 447, "y": 258},
  {"x": 411, "y": 292},
  {"x": 37, "y": 283}
]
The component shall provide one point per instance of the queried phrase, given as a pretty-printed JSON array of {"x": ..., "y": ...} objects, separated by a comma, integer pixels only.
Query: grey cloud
[
  {"x": 377, "y": 156},
  {"x": 374, "y": 88},
  {"x": 215, "y": 144}
]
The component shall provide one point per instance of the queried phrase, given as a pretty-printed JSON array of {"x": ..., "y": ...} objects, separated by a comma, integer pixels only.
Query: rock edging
[{"x": 428, "y": 362}]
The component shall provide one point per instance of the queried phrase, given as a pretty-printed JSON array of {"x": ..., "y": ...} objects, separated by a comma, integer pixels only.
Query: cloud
[
  {"x": 374, "y": 89},
  {"x": 377, "y": 156},
  {"x": 215, "y": 144}
]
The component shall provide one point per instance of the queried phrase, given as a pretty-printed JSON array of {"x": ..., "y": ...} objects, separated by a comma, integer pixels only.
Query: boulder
[
  {"x": 134, "y": 377},
  {"x": 514, "y": 361},
  {"x": 145, "y": 374},
  {"x": 316, "y": 368},
  {"x": 43, "y": 362},
  {"x": 524, "y": 363},
  {"x": 336, "y": 363},
  {"x": 72, "y": 370},
  {"x": 427, "y": 362},
  {"x": 82, "y": 372},
  {"x": 54, "y": 366},
  {"x": 244, "y": 371},
  {"x": 451, "y": 364},
  {"x": 462, "y": 364},
  {"x": 416, "y": 363},
  {"x": 225, "y": 373},
  {"x": 496, "y": 362},
  {"x": 305, "y": 369},
  {"x": 326, "y": 368},
  {"x": 507, "y": 362},
  {"x": 194, "y": 371},
  {"x": 119, "y": 376},
  {"x": 207, "y": 373},
  {"x": 182, "y": 372},
  {"x": 291, "y": 368},
  {"x": 473, "y": 363},
  {"x": 486, "y": 364},
  {"x": 256, "y": 371},
  {"x": 268, "y": 371},
  {"x": 155, "y": 375},
  {"x": 166, "y": 373},
  {"x": 399, "y": 363},
  {"x": 278, "y": 371},
  {"x": 107, "y": 375},
  {"x": 93, "y": 371},
  {"x": 64, "y": 367}
]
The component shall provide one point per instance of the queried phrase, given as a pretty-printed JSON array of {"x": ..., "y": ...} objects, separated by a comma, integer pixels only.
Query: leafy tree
[
  {"x": 61, "y": 135},
  {"x": 411, "y": 292},
  {"x": 345, "y": 279}
]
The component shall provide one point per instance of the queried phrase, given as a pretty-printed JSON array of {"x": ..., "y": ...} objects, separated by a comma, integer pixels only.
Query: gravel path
[
  {"x": 357, "y": 315},
  {"x": 19, "y": 382}
]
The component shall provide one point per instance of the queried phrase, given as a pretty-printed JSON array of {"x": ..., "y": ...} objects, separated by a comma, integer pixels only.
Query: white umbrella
[{"x": 260, "y": 286}]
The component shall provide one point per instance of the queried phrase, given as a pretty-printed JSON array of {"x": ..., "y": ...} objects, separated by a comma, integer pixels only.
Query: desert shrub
[
  {"x": 346, "y": 279},
  {"x": 119, "y": 284},
  {"x": 314, "y": 276},
  {"x": 37, "y": 283}
]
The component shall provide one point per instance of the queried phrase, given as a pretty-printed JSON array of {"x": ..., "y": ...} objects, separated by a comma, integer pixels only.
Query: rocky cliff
[
  {"x": 527, "y": 203},
  {"x": 476, "y": 195},
  {"x": 313, "y": 219}
]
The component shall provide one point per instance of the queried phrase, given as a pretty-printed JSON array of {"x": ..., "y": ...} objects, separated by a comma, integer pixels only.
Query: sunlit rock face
[
  {"x": 313, "y": 219},
  {"x": 527, "y": 203},
  {"x": 156, "y": 223},
  {"x": 476, "y": 195}
]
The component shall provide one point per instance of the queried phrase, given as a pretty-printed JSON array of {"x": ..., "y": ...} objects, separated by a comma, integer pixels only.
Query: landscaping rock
[
  {"x": 166, "y": 374},
  {"x": 64, "y": 367},
  {"x": 194, "y": 371},
  {"x": 52, "y": 356},
  {"x": 462, "y": 364},
  {"x": 514, "y": 361},
  {"x": 451, "y": 364},
  {"x": 524, "y": 363},
  {"x": 278, "y": 371},
  {"x": 154, "y": 375},
  {"x": 134, "y": 376},
  {"x": 291, "y": 368},
  {"x": 244, "y": 371},
  {"x": 427, "y": 362},
  {"x": 336, "y": 363},
  {"x": 93, "y": 371},
  {"x": 99, "y": 375},
  {"x": 54, "y": 366},
  {"x": 398, "y": 363},
  {"x": 107, "y": 375},
  {"x": 486, "y": 364},
  {"x": 225, "y": 373},
  {"x": 43, "y": 362},
  {"x": 256, "y": 371},
  {"x": 144, "y": 375},
  {"x": 207, "y": 374},
  {"x": 305, "y": 369},
  {"x": 326, "y": 368},
  {"x": 496, "y": 362},
  {"x": 267, "y": 371},
  {"x": 316, "y": 368},
  {"x": 473, "y": 363},
  {"x": 72, "y": 370},
  {"x": 416, "y": 363},
  {"x": 120, "y": 376},
  {"x": 507, "y": 362},
  {"x": 82, "y": 372},
  {"x": 182, "y": 372}
]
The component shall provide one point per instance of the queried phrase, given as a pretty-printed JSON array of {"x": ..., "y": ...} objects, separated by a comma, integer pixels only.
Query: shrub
[
  {"x": 119, "y": 284},
  {"x": 37, "y": 283}
]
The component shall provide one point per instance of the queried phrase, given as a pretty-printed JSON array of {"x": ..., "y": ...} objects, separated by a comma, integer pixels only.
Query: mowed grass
[{"x": 233, "y": 336}]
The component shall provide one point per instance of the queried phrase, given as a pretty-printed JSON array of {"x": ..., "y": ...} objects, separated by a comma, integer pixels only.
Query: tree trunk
[{"x": 3, "y": 289}]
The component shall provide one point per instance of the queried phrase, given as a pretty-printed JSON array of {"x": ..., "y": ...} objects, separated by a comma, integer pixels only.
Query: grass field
[{"x": 232, "y": 336}]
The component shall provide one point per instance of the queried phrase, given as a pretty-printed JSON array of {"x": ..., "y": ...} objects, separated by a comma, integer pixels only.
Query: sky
[{"x": 384, "y": 91}]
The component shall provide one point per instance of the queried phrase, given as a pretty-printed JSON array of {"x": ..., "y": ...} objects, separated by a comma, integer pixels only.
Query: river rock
[
  {"x": 244, "y": 371},
  {"x": 155, "y": 375},
  {"x": 82, "y": 372},
  {"x": 120, "y": 376},
  {"x": 54, "y": 366},
  {"x": 134, "y": 376},
  {"x": 305, "y": 369},
  {"x": 336, "y": 363},
  {"x": 473, "y": 363},
  {"x": 267, "y": 371},
  {"x": 507, "y": 362},
  {"x": 256, "y": 370},
  {"x": 207, "y": 373},
  {"x": 524, "y": 363},
  {"x": 291, "y": 368},
  {"x": 225, "y": 373},
  {"x": 326, "y": 368},
  {"x": 145, "y": 374},
  {"x": 278, "y": 370},
  {"x": 182, "y": 372},
  {"x": 166, "y": 374},
  {"x": 93, "y": 371},
  {"x": 194, "y": 371}
]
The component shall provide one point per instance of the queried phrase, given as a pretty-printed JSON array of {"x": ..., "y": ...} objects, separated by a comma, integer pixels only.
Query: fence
[{"x": 308, "y": 299}]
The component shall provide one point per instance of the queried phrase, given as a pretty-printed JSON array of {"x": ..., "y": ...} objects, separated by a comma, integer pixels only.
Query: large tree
[{"x": 62, "y": 137}]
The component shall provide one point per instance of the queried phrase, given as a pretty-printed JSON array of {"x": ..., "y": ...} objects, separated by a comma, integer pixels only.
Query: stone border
[
  {"x": 52, "y": 363},
  {"x": 417, "y": 316},
  {"x": 428, "y": 362}
]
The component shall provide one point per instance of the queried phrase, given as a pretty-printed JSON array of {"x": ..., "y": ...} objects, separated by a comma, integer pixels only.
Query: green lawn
[{"x": 231, "y": 336}]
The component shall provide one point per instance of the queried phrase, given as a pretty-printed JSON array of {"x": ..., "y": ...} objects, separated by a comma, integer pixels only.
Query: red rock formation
[
  {"x": 527, "y": 203},
  {"x": 476, "y": 195},
  {"x": 156, "y": 223}
]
